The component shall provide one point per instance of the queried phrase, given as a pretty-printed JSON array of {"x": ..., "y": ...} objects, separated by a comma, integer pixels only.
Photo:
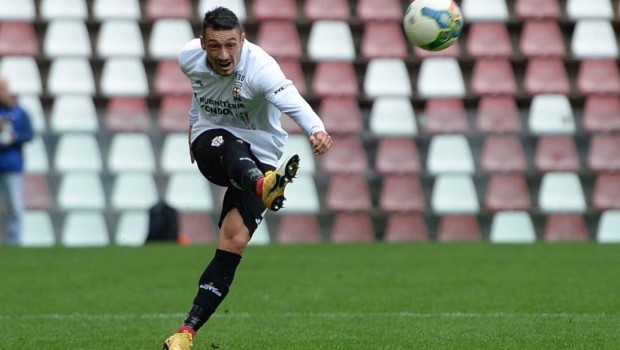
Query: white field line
[{"x": 325, "y": 315}]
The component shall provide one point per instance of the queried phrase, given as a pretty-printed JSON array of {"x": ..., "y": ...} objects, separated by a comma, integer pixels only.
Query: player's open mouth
[{"x": 224, "y": 65}]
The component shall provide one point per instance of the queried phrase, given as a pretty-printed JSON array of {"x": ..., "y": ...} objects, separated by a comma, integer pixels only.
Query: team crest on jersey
[
  {"x": 217, "y": 141},
  {"x": 236, "y": 90}
]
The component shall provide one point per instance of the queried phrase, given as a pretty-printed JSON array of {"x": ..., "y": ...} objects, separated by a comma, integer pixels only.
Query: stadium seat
[
  {"x": 170, "y": 80},
  {"x": 173, "y": 113},
  {"x": 402, "y": 193},
  {"x": 576, "y": 9},
  {"x": 349, "y": 157},
  {"x": 132, "y": 228},
  {"x": 546, "y": 76},
  {"x": 302, "y": 196},
  {"x": 315, "y": 10},
  {"x": 392, "y": 116},
  {"x": 397, "y": 156},
  {"x": 498, "y": 114},
  {"x": 454, "y": 193},
  {"x": 279, "y": 38},
  {"x": 348, "y": 193},
  {"x": 536, "y": 9},
  {"x": 459, "y": 228},
  {"x": 434, "y": 72},
  {"x": 81, "y": 190},
  {"x": 334, "y": 79},
  {"x": 603, "y": 153},
  {"x": 131, "y": 114},
  {"x": 387, "y": 77},
  {"x": 292, "y": 70},
  {"x": 17, "y": 39},
  {"x": 556, "y": 153},
  {"x": 352, "y": 227},
  {"x": 116, "y": 9},
  {"x": 452, "y": 51},
  {"x": 565, "y": 228},
  {"x": 74, "y": 113},
  {"x": 488, "y": 40},
  {"x": 405, "y": 227},
  {"x": 85, "y": 228},
  {"x": 598, "y": 77},
  {"x": 561, "y": 192},
  {"x": 36, "y": 192},
  {"x": 161, "y": 9},
  {"x": 507, "y": 192},
  {"x": 23, "y": 10},
  {"x": 298, "y": 144},
  {"x": 503, "y": 153},
  {"x": 70, "y": 75},
  {"x": 133, "y": 191},
  {"x": 606, "y": 193},
  {"x": 330, "y": 41},
  {"x": 173, "y": 153},
  {"x": 551, "y": 114},
  {"x": 445, "y": 116},
  {"x": 196, "y": 228},
  {"x": 77, "y": 152},
  {"x": 236, "y": 6},
  {"x": 298, "y": 228},
  {"x": 341, "y": 115},
  {"x": 493, "y": 77},
  {"x": 168, "y": 36},
  {"x": 601, "y": 114},
  {"x": 32, "y": 105},
  {"x": 35, "y": 154},
  {"x": 542, "y": 39},
  {"x": 605, "y": 45},
  {"x": 65, "y": 38},
  {"x": 263, "y": 10},
  {"x": 383, "y": 40},
  {"x": 189, "y": 191},
  {"x": 120, "y": 37},
  {"x": 609, "y": 227},
  {"x": 483, "y": 10},
  {"x": 512, "y": 227},
  {"x": 131, "y": 152},
  {"x": 52, "y": 9},
  {"x": 379, "y": 10},
  {"x": 37, "y": 229},
  {"x": 449, "y": 154},
  {"x": 22, "y": 74},
  {"x": 123, "y": 77}
]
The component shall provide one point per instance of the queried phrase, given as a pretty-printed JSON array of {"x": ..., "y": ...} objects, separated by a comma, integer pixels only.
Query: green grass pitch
[{"x": 367, "y": 296}]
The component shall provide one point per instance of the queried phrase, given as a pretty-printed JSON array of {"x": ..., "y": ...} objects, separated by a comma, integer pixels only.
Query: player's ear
[
  {"x": 242, "y": 37},
  {"x": 202, "y": 43}
]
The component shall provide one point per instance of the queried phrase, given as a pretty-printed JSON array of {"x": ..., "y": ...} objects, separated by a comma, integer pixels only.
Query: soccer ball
[{"x": 433, "y": 24}]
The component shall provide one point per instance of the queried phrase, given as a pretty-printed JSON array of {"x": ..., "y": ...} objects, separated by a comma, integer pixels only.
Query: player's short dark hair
[{"x": 221, "y": 18}]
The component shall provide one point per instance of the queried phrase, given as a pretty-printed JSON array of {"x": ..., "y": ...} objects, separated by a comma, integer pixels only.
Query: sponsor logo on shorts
[{"x": 217, "y": 141}]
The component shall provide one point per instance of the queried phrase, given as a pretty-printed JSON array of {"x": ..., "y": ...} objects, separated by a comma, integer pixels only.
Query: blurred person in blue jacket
[{"x": 15, "y": 130}]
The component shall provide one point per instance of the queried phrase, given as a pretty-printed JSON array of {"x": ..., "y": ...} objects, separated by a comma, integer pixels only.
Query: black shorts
[{"x": 208, "y": 150}]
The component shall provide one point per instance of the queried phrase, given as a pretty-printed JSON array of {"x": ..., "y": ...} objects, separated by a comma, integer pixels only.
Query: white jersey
[{"x": 248, "y": 103}]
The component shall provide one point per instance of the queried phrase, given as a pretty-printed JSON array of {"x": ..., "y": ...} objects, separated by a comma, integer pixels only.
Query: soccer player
[{"x": 239, "y": 93}]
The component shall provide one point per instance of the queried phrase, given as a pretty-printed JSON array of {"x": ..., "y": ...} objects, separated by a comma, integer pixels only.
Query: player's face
[{"x": 223, "y": 49}]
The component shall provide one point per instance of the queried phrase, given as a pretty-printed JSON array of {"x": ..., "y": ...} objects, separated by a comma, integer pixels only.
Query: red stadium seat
[
  {"x": 546, "y": 76},
  {"x": 346, "y": 156},
  {"x": 292, "y": 70},
  {"x": 36, "y": 192},
  {"x": 335, "y": 79},
  {"x": 498, "y": 114},
  {"x": 128, "y": 114},
  {"x": 556, "y": 153},
  {"x": 348, "y": 193},
  {"x": 352, "y": 227},
  {"x": 503, "y": 154},
  {"x": 601, "y": 114},
  {"x": 565, "y": 227},
  {"x": 507, "y": 192},
  {"x": 397, "y": 156},
  {"x": 488, "y": 39},
  {"x": 405, "y": 228},
  {"x": 383, "y": 40},
  {"x": 279, "y": 38},
  {"x": 453, "y": 51},
  {"x": 446, "y": 116},
  {"x": 174, "y": 113},
  {"x": 598, "y": 76},
  {"x": 196, "y": 228},
  {"x": 536, "y": 9},
  {"x": 604, "y": 153},
  {"x": 158, "y": 9},
  {"x": 402, "y": 194},
  {"x": 315, "y": 10},
  {"x": 170, "y": 80},
  {"x": 606, "y": 193},
  {"x": 459, "y": 228},
  {"x": 493, "y": 77},
  {"x": 298, "y": 228},
  {"x": 274, "y": 9},
  {"x": 341, "y": 115},
  {"x": 542, "y": 38},
  {"x": 18, "y": 38},
  {"x": 379, "y": 10}
]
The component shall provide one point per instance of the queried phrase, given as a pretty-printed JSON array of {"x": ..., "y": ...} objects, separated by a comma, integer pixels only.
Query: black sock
[
  {"x": 213, "y": 287},
  {"x": 242, "y": 170}
]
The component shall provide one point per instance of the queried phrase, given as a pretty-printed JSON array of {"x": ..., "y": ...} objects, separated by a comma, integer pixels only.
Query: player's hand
[{"x": 321, "y": 142}]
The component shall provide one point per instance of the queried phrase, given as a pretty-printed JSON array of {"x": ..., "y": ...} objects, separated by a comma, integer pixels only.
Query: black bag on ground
[{"x": 163, "y": 223}]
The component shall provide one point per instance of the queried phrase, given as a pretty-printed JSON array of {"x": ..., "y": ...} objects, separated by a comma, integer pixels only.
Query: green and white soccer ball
[{"x": 433, "y": 24}]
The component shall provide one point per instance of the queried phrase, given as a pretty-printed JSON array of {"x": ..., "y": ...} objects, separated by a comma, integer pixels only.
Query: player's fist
[{"x": 321, "y": 142}]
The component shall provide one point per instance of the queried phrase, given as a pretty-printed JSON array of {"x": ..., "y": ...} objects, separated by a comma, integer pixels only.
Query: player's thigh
[
  {"x": 250, "y": 207},
  {"x": 208, "y": 150}
]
